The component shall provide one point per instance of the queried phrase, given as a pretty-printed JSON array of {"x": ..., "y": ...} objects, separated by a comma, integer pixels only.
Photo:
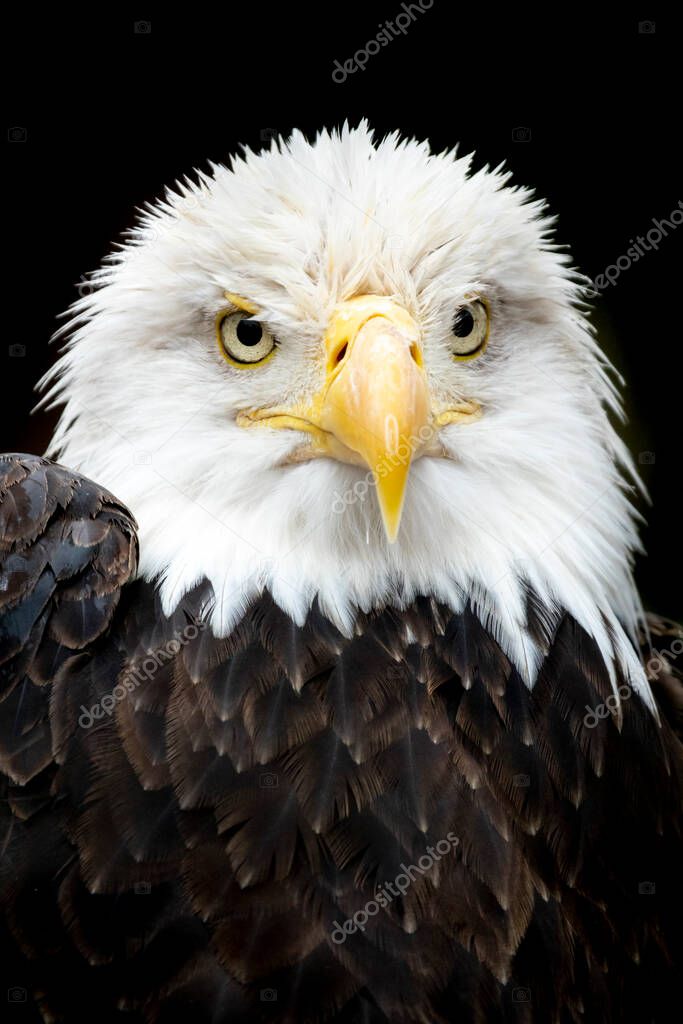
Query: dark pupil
[
  {"x": 249, "y": 332},
  {"x": 463, "y": 323}
]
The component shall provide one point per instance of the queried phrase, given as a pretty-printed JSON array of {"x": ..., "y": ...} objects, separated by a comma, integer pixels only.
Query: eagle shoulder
[{"x": 67, "y": 549}]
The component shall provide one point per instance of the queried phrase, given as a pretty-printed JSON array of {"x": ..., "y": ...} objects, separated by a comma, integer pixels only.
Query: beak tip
[
  {"x": 391, "y": 520},
  {"x": 391, "y": 490}
]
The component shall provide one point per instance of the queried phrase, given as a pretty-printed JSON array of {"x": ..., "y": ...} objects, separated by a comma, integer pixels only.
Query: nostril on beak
[
  {"x": 416, "y": 353},
  {"x": 341, "y": 353}
]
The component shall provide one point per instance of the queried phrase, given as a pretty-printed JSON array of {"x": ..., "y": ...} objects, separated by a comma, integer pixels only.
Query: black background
[{"x": 112, "y": 115}]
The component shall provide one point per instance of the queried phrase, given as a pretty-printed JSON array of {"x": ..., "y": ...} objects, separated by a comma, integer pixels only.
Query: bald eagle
[{"x": 327, "y": 695}]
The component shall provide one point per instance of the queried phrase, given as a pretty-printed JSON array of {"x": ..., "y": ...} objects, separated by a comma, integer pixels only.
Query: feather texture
[{"x": 189, "y": 821}]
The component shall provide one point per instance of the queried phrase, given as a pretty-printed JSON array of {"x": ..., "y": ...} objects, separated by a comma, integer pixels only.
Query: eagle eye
[
  {"x": 470, "y": 330},
  {"x": 243, "y": 340}
]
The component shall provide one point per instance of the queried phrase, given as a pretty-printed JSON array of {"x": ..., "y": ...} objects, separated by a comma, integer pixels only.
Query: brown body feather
[{"x": 184, "y": 847}]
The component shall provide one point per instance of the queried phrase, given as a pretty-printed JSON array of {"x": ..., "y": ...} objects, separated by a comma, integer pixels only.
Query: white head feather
[{"x": 534, "y": 490}]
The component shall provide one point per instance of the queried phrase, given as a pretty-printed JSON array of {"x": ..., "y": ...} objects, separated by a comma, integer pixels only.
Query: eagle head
[{"x": 354, "y": 372}]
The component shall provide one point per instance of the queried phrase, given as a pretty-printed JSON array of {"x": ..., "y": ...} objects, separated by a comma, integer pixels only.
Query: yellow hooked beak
[
  {"x": 374, "y": 408},
  {"x": 376, "y": 401}
]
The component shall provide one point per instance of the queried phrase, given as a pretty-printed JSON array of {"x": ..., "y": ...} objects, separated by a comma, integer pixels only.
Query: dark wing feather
[
  {"x": 67, "y": 549},
  {"x": 662, "y": 653},
  {"x": 188, "y": 854}
]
